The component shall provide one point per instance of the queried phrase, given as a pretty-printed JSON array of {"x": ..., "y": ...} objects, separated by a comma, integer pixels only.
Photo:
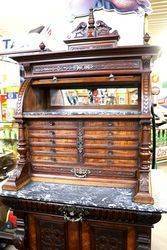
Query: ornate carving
[
  {"x": 106, "y": 238},
  {"x": 146, "y": 106},
  {"x": 79, "y": 31},
  {"x": 145, "y": 161},
  {"x": 80, "y": 142},
  {"x": 21, "y": 172},
  {"x": 92, "y": 33},
  {"x": 146, "y": 38},
  {"x": 91, "y": 22},
  {"x": 146, "y": 62},
  {"x": 75, "y": 67},
  {"x": 102, "y": 29},
  {"x": 51, "y": 235},
  {"x": 22, "y": 90},
  {"x": 73, "y": 214},
  {"x": 112, "y": 215}
]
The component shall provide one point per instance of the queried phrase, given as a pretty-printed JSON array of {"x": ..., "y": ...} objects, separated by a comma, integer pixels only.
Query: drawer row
[
  {"x": 88, "y": 152},
  {"x": 87, "y": 134},
  {"x": 103, "y": 142},
  {"x": 47, "y": 124}
]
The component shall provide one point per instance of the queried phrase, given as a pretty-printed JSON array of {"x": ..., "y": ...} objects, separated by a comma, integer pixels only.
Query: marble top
[{"x": 89, "y": 196}]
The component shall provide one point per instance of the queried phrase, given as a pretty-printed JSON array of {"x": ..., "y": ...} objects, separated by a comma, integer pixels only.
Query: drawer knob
[
  {"x": 51, "y": 123},
  {"x": 111, "y": 77},
  {"x": 110, "y": 153},
  {"x": 54, "y": 79},
  {"x": 52, "y": 132}
]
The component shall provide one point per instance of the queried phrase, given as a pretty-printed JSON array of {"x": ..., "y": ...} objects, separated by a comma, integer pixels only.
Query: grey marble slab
[{"x": 100, "y": 197}]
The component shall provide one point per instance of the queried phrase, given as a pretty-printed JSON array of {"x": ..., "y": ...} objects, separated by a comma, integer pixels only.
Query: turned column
[
  {"x": 20, "y": 175},
  {"x": 143, "y": 190}
]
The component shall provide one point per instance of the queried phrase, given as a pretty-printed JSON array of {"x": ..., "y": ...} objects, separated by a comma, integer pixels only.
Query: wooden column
[
  {"x": 20, "y": 175},
  {"x": 143, "y": 189}
]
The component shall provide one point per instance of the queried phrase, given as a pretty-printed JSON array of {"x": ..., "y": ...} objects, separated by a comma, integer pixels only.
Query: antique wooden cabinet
[{"x": 84, "y": 120}]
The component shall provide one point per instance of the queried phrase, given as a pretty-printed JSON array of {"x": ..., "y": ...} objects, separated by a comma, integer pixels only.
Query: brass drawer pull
[
  {"x": 80, "y": 173},
  {"x": 71, "y": 217}
]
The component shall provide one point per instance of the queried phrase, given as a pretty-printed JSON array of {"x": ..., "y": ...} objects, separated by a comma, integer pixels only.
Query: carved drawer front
[
  {"x": 110, "y": 124},
  {"x": 65, "y": 142},
  {"x": 97, "y": 143},
  {"x": 110, "y": 163},
  {"x": 64, "y": 158},
  {"x": 110, "y": 153},
  {"x": 53, "y": 150},
  {"x": 51, "y": 124},
  {"x": 106, "y": 134},
  {"x": 52, "y": 133}
]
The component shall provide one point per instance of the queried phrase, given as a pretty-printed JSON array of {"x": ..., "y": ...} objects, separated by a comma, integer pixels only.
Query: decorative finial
[
  {"x": 146, "y": 38},
  {"x": 91, "y": 22},
  {"x": 42, "y": 46}
]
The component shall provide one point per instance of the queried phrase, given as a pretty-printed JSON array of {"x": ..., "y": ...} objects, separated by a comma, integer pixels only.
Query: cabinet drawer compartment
[
  {"x": 110, "y": 152},
  {"x": 52, "y": 141},
  {"x": 51, "y": 150},
  {"x": 54, "y": 159},
  {"x": 110, "y": 123},
  {"x": 110, "y": 162},
  {"x": 51, "y": 124},
  {"x": 96, "y": 143}
]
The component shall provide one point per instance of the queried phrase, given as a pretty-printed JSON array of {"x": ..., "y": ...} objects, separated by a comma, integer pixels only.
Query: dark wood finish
[
  {"x": 51, "y": 225},
  {"x": 104, "y": 146},
  {"x": 99, "y": 149}
]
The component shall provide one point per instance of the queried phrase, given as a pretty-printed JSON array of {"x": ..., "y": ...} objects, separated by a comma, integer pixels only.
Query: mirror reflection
[{"x": 94, "y": 96}]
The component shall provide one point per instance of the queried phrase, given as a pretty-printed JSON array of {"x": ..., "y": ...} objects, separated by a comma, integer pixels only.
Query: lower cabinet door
[
  {"x": 107, "y": 236},
  {"x": 53, "y": 233}
]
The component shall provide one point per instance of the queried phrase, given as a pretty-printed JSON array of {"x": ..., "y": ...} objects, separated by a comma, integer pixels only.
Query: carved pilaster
[
  {"x": 146, "y": 94},
  {"x": 20, "y": 176},
  {"x": 143, "y": 192}
]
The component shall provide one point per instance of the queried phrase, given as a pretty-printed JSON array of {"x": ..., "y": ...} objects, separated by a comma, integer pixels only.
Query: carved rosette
[{"x": 143, "y": 195}]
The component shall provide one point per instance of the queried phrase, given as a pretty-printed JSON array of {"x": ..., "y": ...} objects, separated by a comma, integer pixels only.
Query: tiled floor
[{"x": 159, "y": 232}]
